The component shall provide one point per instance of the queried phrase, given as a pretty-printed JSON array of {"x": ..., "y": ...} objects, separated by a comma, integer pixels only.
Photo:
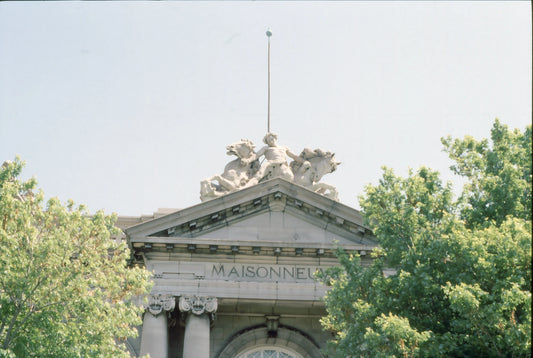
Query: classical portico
[{"x": 234, "y": 275}]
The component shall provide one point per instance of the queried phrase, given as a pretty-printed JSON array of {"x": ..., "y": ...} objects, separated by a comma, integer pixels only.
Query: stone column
[
  {"x": 199, "y": 312},
  {"x": 154, "y": 339}
]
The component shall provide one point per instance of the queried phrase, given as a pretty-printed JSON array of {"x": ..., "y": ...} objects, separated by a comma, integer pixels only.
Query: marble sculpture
[{"x": 271, "y": 161}]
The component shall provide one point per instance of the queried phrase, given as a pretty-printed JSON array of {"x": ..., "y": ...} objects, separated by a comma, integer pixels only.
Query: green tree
[
  {"x": 462, "y": 282},
  {"x": 65, "y": 287},
  {"x": 498, "y": 174}
]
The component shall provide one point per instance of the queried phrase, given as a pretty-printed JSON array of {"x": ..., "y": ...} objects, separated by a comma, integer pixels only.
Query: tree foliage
[
  {"x": 498, "y": 173},
  {"x": 65, "y": 287},
  {"x": 462, "y": 282}
]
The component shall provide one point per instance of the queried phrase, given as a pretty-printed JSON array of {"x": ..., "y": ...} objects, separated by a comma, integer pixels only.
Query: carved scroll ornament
[
  {"x": 159, "y": 303},
  {"x": 198, "y": 305}
]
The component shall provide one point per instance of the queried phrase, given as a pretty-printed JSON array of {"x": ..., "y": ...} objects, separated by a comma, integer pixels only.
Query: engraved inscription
[{"x": 254, "y": 272}]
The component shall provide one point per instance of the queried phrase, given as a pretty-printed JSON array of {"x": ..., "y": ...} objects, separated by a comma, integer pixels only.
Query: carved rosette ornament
[
  {"x": 198, "y": 305},
  {"x": 159, "y": 303}
]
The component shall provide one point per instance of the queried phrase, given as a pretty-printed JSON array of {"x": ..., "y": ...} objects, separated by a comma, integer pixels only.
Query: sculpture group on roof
[{"x": 271, "y": 161}]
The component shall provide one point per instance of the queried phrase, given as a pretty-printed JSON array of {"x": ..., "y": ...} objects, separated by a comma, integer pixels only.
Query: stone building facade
[{"x": 234, "y": 275}]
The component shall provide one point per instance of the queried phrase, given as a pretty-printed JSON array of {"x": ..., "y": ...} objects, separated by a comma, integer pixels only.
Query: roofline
[{"x": 245, "y": 196}]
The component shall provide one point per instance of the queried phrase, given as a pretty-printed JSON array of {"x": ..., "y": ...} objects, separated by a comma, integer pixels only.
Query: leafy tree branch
[{"x": 462, "y": 286}]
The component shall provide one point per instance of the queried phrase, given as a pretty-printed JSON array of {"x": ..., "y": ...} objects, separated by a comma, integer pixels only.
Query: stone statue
[
  {"x": 311, "y": 167},
  {"x": 275, "y": 164},
  {"x": 236, "y": 174},
  {"x": 306, "y": 170}
]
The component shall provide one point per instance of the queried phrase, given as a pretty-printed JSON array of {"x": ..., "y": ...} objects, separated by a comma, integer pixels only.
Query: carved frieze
[{"x": 159, "y": 303}]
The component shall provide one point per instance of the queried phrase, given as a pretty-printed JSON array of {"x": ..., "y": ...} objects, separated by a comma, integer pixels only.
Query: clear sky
[{"x": 127, "y": 106}]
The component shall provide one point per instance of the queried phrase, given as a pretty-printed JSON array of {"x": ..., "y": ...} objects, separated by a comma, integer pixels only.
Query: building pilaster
[
  {"x": 199, "y": 313},
  {"x": 154, "y": 340}
]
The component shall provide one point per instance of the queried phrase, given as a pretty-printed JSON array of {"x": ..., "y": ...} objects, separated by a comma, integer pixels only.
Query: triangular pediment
[{"x": 274, "y": 213}]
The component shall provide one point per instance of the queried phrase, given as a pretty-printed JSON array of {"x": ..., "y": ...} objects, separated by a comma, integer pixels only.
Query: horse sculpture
[
  {"x": 315, "y": 164},
  {"x": 236, "y": 174},
  {"x": 306, "y": 170}
]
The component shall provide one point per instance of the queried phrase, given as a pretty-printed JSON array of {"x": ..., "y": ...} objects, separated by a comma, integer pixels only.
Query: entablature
[{"x": 274, "y": 218}]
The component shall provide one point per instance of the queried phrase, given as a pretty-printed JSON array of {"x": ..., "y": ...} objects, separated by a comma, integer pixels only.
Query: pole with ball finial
[{"x": 269, "y": 34}]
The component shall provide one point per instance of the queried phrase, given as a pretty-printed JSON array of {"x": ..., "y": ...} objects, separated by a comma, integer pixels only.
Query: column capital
[
  {"x": 197, "y": 314},
  {"x": 159, "y": 303},
  {"x": 198, "y": 305}
]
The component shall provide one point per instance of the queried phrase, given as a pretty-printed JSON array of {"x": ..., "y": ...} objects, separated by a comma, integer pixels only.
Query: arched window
[
  {"x": 256, "y": 343},
  {"x": 269, "y": 352}
]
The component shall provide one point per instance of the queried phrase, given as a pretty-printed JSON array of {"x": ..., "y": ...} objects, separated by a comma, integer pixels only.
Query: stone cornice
[
  {"x": 170, "y": 246},
  {"x": 163, "y": 241},
  {"x": 194, "y": 230}
]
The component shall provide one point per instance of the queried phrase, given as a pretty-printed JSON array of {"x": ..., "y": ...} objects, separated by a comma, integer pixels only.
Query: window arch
[
  {"x": 269, "y": 352},
  {"x": 256, "y": 343}
]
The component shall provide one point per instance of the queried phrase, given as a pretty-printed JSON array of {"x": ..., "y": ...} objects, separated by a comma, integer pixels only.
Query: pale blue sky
[{"x": 126, "y": 106}]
